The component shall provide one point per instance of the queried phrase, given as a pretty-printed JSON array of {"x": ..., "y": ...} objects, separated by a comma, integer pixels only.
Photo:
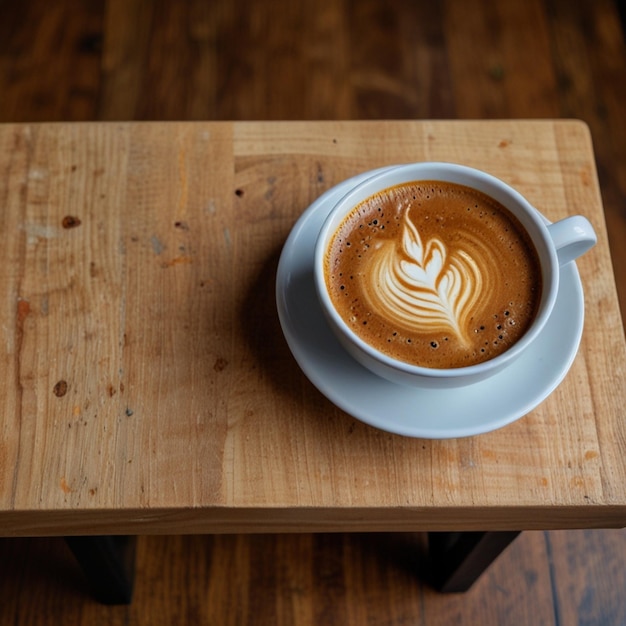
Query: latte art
[
  {"x": 434, "y": 274},
  {"x": 423, "y": 287}
]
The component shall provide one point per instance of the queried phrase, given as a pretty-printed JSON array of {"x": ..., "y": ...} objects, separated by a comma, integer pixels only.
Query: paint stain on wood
[
  {"x": 179, "y": 260},
  {"x": 65, "y": 488},
  {"x": 23, "y": 310},
  {"x": 157, "y": 245},
  {"x": 220, "y": 364},
  {"x": 70, "y": 221},
  {"x": 60, "y": 389},
  {"x": 585, "y": 176}
]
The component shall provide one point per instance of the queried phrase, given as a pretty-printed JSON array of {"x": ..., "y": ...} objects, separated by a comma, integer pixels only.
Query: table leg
[
  {"x": 108, "y": 562},
  {"x": 457, "y": 559}
]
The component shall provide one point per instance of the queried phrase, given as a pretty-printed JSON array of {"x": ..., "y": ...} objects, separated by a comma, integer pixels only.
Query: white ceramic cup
[{"x": 556, "y": 244}]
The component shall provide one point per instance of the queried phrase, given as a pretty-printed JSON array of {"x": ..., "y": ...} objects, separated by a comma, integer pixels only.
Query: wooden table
[{"x": 147, "y": 387}]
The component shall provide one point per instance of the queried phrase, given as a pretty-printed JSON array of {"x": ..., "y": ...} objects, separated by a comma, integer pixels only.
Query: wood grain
[
  {"x": 33, "y": 33},
  {"x": 150, "y": 384},
  {"x": 560, "y": 577},
  {"x": 336, "y": 60}
]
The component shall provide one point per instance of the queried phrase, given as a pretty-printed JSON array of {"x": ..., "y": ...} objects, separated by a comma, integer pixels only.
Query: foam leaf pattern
[{"x": 425, "y": 287}]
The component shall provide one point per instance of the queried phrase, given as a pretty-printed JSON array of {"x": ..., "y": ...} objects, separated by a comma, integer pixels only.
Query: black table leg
[
  {"x": 108, "y": 562},
  {"x": 457, "y": 559}
]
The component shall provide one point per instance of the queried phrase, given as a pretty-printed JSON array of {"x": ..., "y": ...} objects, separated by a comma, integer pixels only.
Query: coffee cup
[{"x": 440, "y": 275}]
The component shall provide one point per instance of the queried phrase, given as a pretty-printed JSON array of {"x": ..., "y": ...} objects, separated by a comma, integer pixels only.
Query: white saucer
[{"x": 426, "y": 413}]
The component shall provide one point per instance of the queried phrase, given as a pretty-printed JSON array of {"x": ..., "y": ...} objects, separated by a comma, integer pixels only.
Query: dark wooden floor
[{"x": 324, "y": 59}]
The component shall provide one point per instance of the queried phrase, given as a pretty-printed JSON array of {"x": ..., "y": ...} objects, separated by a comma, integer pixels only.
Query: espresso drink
[{"x": 435, "y": 274}]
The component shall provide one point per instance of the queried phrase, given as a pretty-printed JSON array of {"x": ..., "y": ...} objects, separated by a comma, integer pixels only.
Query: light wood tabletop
[{"x": 146, "y": 384}]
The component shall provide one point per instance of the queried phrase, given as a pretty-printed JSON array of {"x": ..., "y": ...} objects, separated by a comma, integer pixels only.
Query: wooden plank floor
[{"x": 324, "y": 59}]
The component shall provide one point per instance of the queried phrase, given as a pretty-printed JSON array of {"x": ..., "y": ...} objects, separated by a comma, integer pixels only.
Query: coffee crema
[{"x": 435, "y": 274}]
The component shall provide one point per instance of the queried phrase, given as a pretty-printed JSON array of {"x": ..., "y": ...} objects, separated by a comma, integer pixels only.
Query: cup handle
[{"x": 572, "y": 237}]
